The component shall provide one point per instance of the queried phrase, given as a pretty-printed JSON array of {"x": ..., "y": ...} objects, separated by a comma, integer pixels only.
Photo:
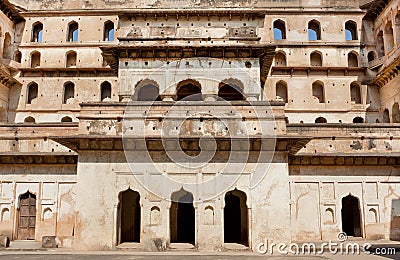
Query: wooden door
[{"x": 27, "y": 217}]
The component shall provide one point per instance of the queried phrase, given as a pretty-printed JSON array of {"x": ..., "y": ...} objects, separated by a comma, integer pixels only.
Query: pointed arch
[
  {"x": 318, "y": 92},
  {"x": 351, "y": 216},
  {"x": 70, "y": 59},
  {"x": 280, "y": 59},
  {"x": 355, "y": 90},
  {"x": 32, "y": 92},
  {"x": 279, "y": 30},
  {"x": 73, "y": 32},
  {"x": 129, "y": 216},
  {"x": 182, "y": 217},
  {"x": 231, "y": 90},
  {"x": 236, "y": 227},
  {"x": 35, "y": 59},
  {"x": 281, "y": 90},
  {"x": 314, "y": 30},
  {"x": 316, "y": 59},
  {"x": 352, "y": 59},
  {"x": 69, "y": 92},
  {"x": 189, "y": 90},
  {"x": 37, "y": 32},
  {"x": 147, "y": 90},
  {"x": 108, "y": 31},
  {"x": 351, "y": 31}
]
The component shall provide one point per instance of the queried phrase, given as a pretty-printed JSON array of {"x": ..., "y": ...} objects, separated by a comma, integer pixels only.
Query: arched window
[
  {"x": 37, "y": 32},
  {"x": 314, "y": 30},
  {"x": 380, "y": 44},
  {"x": 386, "y": 117},
  {"x": 321, "y": 120},
  {"x": 397, "y": 22},
  {"x": 279, "y": 30},
  {"x": 29, "y": 119},
  {"x": 395, "y": 113},
  {"x": 105, "y": 91},
  {"x": 66, "y": 119},
  {"x": 32, "y": 92},
  {"x": 358, "y": 120},
  {"x": 355, "y": 93},
  {"x": 7, "y": 46},
  {"x": 371, "y": 56},
  {"x": 108, "y": 31},
  {"x": 281, "y": 91},
  {"x": 316, "y": 59},
  {"x": 69, "y": 92},
  {"x": 147, "y": 90},
  {"x": 189, "y": 90},
  {"x": 351, "y": 31},
  {"x": 280, "y": 59},
  {"x": 389, "y": 38},
  {"x": 18, "y": 56},
  {"x": 73, "y": 29},
  {"x": 35, "y": 59},
  {"x": 352, "y": 60},
  {"x": 231, "y": 91},
  {"x": 71, "y": 58},
  {"x": 318, "y": 92}
]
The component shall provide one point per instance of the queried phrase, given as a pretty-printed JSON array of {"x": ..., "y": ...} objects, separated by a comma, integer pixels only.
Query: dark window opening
[
  {"x": 279, "y": 30},
  {"x": 351, "y": 217}
]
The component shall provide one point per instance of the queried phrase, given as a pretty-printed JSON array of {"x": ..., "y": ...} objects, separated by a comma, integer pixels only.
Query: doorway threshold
[
  {"x": 181, "y": 247},
  {"x": 129, "y": 245},
  {"x": 235, "y": 247}
]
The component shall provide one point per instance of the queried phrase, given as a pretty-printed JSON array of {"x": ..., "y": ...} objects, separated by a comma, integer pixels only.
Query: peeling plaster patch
[
  {"x": 356, "y": 145},
  {"x": 371, "y": 144}
]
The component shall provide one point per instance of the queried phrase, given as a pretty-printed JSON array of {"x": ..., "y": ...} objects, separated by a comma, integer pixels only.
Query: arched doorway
[
  {"x": 235, "y": 218},
  {"x": 182, "y": 218},
  {"x": 351, "y": 217},
  {"x": 129, "y": 216},
  {"x": 27, "y": 216},
  {"x": 189, "y": 90}
]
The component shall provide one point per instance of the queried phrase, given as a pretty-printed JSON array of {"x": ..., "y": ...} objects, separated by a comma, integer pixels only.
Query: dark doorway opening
[
  {"x": 27, "y": 216},
  {"x": 182, "y": 218},
  {"x": 235, "y": 218},
  {"x": 351, "y": 217},
  {"x": 129, "y": 212}
]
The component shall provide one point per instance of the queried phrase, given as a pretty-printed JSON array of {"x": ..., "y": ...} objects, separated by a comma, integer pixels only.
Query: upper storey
[{"x": 46, "y": 5}]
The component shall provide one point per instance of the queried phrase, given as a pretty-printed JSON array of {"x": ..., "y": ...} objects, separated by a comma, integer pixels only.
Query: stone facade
[{"x": 97, "y": 97}]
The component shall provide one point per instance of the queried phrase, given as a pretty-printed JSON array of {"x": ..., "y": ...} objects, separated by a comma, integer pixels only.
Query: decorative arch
[
  {"x": 47, "y": 214},
  {"x": 147, "y": 90},
  {"x": 189, "y": 90},
  {"x": 5, "y": 214},
  {"x": 209, "y": 215},
  {"x": 155, "y": 216},
  {"x": 66, "y": 119},
  {"x": 358, "y": 120},
  {"x": 231, "y": 89},
  {"x": 29, "y": 119},
  {"x": 321, "y": 120},
  {"x": 18, "y": 56},
  {"x": 389, "y": 37},
  {"x": 386, "y": 116}
]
